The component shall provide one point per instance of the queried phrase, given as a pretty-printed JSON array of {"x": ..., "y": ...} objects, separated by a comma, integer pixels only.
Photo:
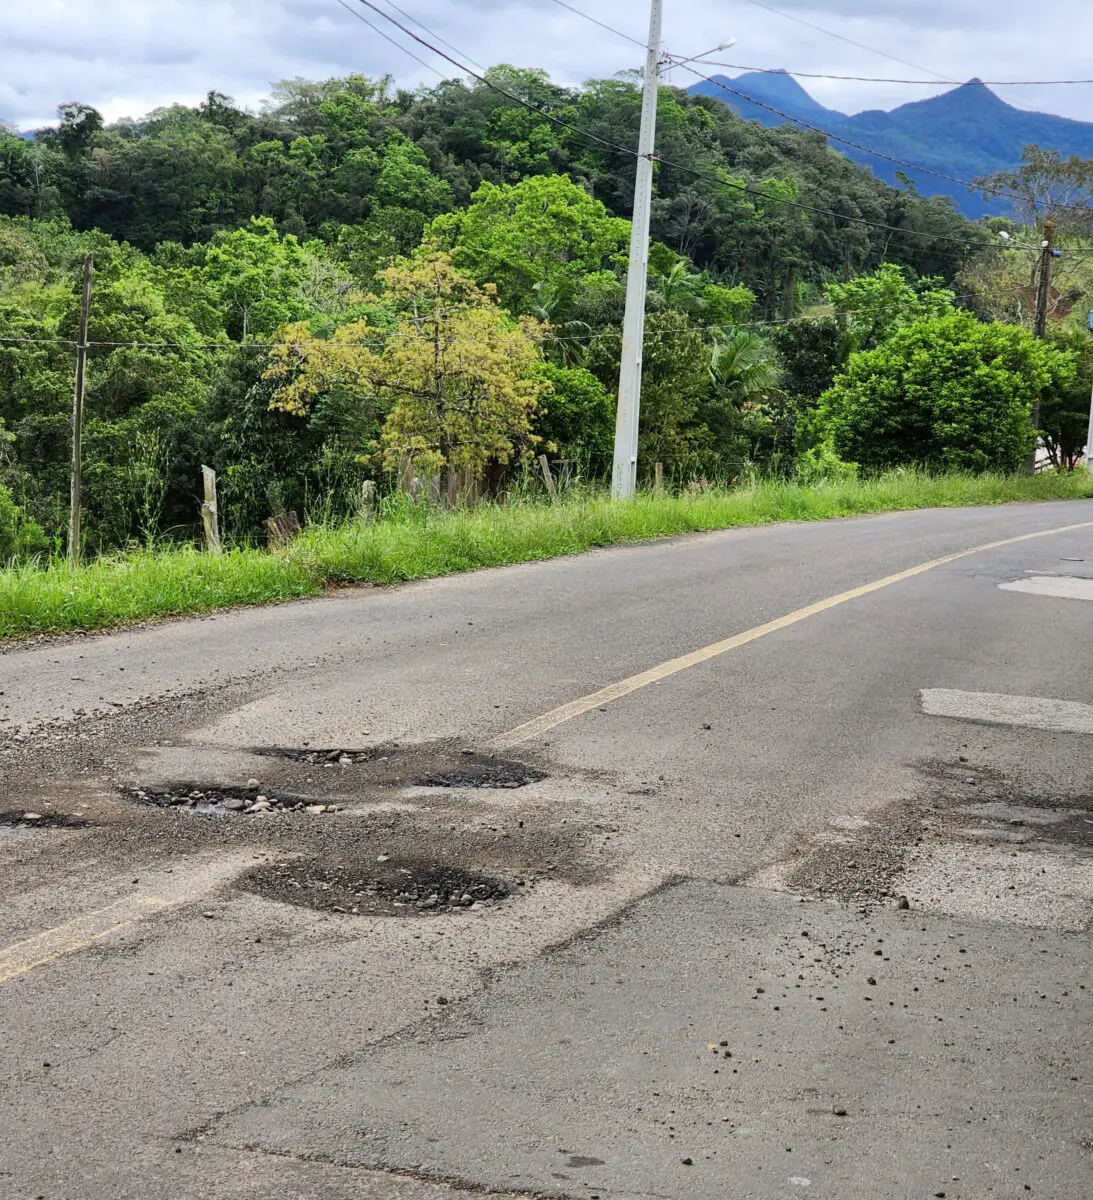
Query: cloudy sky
[{"x": 129, "y": 56}]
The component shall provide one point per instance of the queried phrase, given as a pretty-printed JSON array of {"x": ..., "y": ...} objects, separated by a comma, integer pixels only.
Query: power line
[
  {"x": 602, "y": 24},
  {"x": 850, "y": 41},
  {"x": 709, "y": 62},
  {"x": 594, "y": 335},
  {"x": 431, "y": 32},
  {"x": 387, "y": 37},
  {"x": 487, "y": 82},
  {"x": 750, "y": 189}
]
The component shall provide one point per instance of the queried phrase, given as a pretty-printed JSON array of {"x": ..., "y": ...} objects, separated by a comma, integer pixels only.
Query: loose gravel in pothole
[
  {"x": 482, "y": 775},
  {"x": 380, "y": 887},
  {"x": 26, "y": 819},
  {"x": 226, "y": 801},
  {"x": 326, "y": 758}
]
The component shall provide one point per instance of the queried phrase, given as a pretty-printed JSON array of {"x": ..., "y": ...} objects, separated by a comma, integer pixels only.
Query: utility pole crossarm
[{"x": 625, "y": 466}]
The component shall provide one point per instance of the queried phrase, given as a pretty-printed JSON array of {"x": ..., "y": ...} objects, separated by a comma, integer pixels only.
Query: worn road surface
[{"x": 754, "y": 864}]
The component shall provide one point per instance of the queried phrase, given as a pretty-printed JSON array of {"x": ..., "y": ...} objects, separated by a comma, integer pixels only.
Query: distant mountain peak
[{"x": 963, "y": 133}]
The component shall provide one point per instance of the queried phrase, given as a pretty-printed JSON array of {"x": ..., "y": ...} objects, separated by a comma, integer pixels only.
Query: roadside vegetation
[
  {"x": 376, "y": 314},
  {"x": 416, "y": 541}
]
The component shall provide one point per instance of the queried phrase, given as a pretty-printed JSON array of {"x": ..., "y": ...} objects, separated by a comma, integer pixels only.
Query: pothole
[
  {"x": 28, "y": 819},
  {"x": 492, "y": 774},
  {"x": 379, "y": 887},
  {"x": 327, "y": 758},
  {"x": 226, "y": 801}
]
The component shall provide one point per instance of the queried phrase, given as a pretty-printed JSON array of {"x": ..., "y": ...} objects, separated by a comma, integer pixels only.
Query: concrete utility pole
[
  {"x": 1089, "y": 435},
  {"x": 1089, "y": 439},
  {"x": 76, "y": 475},
  {"x": 624, "y": 471}
]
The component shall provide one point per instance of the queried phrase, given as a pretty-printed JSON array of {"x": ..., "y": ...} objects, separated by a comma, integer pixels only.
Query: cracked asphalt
[{"x": 279, "y": 922}]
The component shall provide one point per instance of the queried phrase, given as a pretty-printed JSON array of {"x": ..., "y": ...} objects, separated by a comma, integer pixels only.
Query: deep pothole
[
  {"x": 30, "y": 819},
  {"x": 379, "y": 886},
  {"x": 221, "y": 801},
  {"x": 327, "y": 757},
  {"x": 483, "y": 774}
]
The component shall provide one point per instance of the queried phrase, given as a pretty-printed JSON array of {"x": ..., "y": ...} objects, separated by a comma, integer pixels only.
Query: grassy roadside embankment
[{"x": 423, "y": 543}]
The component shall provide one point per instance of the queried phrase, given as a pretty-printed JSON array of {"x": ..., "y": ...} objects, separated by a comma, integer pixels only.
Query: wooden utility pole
[
  {"x": 76, "y": 476},
  {"x": 209, "y": 513},
  {"x": 1043, "y": 294},
  {"x": 1043, "y": 286}
]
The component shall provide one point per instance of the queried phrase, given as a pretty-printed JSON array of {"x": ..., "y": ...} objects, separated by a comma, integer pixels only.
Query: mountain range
[{"x": 963, "y": 133}]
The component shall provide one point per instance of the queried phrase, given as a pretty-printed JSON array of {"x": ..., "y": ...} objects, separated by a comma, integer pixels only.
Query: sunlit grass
[{"x": 419, "y": 544}]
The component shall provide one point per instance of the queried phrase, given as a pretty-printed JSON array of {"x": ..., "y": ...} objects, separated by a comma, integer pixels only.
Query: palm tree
[
  {"x": 742, "y": 368},
  {"x": 568, "y": 338}
]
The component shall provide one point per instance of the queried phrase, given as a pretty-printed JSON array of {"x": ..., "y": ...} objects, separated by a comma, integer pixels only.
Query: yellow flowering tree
[{"x": 455, "y": 374}]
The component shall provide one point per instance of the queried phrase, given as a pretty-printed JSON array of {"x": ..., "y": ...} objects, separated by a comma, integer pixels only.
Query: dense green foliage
[
  {"x": 946, "y": 391},
  {"x": 360, "y": 283}
]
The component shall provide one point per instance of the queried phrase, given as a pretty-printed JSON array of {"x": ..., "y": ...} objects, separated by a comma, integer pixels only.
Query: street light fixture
[{"x": 725, "y": 45}]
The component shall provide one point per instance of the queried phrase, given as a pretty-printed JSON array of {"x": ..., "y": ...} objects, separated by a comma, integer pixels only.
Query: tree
[
  {"x": 744, "y": 378},
  {"x": 944, "y": 392},
  {"x": 256, "y": 275},
  {"x": 871, "y": 307},
  {"x": 456, "y": 376},
  {"x": 1064, "y": 412},
  {"x": 540, "y": 230},
  {"x": 675, "y": 380},
  {"x": 576, "y": 417},
  {"x": 810, "y": 353},
  {"x": 1050, "y": 187}
]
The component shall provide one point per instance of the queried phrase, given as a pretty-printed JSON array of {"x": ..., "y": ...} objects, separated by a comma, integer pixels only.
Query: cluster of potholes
[
  {"x": 361, "y": 884},
  {"x": 380, "y": 887}
]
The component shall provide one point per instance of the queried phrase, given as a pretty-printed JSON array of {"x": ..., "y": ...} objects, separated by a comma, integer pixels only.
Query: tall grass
[{"x": 411, "y": 542}]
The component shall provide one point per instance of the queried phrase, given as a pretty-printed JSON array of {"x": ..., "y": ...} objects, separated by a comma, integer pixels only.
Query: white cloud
[{"x": 129, "y": 56}]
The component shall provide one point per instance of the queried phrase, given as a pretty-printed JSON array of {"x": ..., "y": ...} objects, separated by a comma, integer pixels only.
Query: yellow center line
[
  {"x": 78, "y": 934},
  {"x": 615, "y": 691}
]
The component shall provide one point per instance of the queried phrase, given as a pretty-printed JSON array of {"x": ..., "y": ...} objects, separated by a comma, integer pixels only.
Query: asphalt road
[{"x": 788, "y": 892}]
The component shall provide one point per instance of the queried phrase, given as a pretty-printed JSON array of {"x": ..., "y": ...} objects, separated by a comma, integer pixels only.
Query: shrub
[{"x": 948, "y": 393}]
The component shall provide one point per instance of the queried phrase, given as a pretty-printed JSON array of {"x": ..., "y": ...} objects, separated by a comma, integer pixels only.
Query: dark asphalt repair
[
  {"x": 958, "y": 802},
  {"x": 377, "y": 886},
  {"x": 487, "y": 774}
]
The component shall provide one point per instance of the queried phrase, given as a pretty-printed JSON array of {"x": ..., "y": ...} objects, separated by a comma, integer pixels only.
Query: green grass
[{"x": 420, "y": 544}]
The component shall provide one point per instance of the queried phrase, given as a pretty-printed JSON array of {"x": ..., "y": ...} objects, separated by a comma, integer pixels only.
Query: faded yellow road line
[
  {"x": 78, "y": 934},
  {"x": 615, "y": 691},
  {"x": 188, "y": 880}
]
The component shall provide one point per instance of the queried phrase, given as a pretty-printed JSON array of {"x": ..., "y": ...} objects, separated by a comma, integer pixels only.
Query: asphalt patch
[
  {"x": 489, "y": 774},
  {"x": 378, "y": 886}
]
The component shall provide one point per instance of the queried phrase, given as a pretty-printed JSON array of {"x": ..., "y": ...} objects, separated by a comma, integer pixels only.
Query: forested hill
[
  {"x": 364, "y": 167},
  {"x": 964, "y": 133}
]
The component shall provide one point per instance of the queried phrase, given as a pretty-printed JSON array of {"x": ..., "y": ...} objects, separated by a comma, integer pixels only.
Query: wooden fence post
[
  {"x": 658, "y": 478},
  {"x": 368, "y": 500},
  {"x": 548, "y": 478},
  {"x": 209, "y": 514}
]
